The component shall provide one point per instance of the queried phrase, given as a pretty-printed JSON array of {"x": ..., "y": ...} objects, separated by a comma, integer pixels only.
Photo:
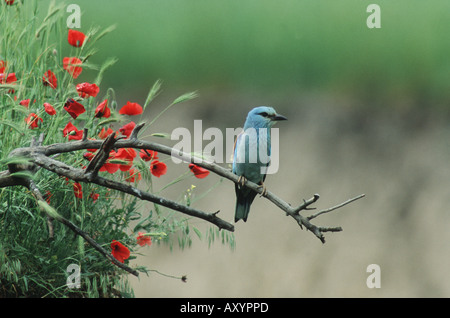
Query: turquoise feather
[{"x": 247, "y": 160}]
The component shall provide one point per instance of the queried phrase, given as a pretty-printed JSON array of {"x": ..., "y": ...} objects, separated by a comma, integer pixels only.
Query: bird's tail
[
  {"x": 244, "y": 198},
  {"x": 242, "y": 210}
]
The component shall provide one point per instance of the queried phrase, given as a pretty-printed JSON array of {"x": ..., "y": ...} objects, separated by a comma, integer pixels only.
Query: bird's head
[{"x": 262, "y": 117}]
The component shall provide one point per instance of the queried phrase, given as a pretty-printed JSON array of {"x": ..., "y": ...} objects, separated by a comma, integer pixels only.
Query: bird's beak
[{"x": 278, "y": 117}]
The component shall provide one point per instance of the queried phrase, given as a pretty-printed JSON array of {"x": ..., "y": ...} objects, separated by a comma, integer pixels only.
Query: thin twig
[
  {"x": 335, "y": 207},
  {"x": 182, "y": 278}
]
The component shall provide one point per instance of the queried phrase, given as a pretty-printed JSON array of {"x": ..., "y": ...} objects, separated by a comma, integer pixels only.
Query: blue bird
[{"x": 248, "y": 163}]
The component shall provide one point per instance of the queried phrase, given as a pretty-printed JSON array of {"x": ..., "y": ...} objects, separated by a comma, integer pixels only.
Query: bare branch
[
  {"x": 100, "y": 158},
  {"x": 40, "y": 155},
  {"x": 6, "y": 180}
]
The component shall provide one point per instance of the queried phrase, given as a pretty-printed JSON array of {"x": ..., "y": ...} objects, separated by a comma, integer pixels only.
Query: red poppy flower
[
  {"x": 143, "y": 239},
  {"x": 158, "y": 168},
  {"x": 49, "y": 109},
  {"x": 47, "y": 196},
  {"x": 125, "y": 166},
  {"x": 88, "y": 155},
  {"x": 33, "y": 120},
  {"x": 9, "y": 2},
  {"x": 11, "y": 78},
  {"x": 8, "y": 78},
  {"x": 49, "y": 79},
  {"x": 87, "y": 89},
  {"x": 131, "y": 109},
  {"x": 76, "y": 38},
  {"x": 119, "y": 251},
  {"x": 25, "y": 102},
  {"x": 127, "y": 155},
  {"x": 78, "y": 190},
  {"x": 102, "y": 110},
  {"x": 127, "y": 129},
  {"x": 105, "y": 133},
  {"x": 72, "y": 131},
  {"x": 94, "y": 196},
  {"x": 109, "y": 166},
  {"x": 2, "y": 66},
  {"x": 133, "y": 174},
  {"x": 199, "y": 172},
  {"x": 74, "y": 108},
  {"x": 69, "y": 64},
  {"x": 148, "y": 155}
]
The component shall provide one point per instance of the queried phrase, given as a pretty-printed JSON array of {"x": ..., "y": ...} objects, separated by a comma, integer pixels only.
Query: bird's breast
[{"x": 252, "y": 152}]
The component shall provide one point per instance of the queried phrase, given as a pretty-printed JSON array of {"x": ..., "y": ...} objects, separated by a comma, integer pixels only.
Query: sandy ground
[{"x": 399, "y": 160}]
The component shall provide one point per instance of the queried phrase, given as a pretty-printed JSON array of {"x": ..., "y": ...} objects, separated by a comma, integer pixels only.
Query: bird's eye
[{"x": 264, "y": 114}]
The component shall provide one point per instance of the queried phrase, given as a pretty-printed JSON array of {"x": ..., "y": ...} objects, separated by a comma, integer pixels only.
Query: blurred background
[{"x": 369, "y": 112}]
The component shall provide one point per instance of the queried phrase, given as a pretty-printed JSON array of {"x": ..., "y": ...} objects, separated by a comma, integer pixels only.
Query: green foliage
[
  {"x": 284, "y": 46},
  {"x": 31, "y": 263}
]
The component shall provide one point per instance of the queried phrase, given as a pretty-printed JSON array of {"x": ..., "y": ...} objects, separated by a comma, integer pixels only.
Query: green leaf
[
  {"x": 185, "y": 97},
  {"x": 15, "y": 161},
  {"x": 103, "y": 33},
  {"x": 25, "y": 174},
  {"x": 154, "y": 91},
  {"x": 49, "y": 209},
  {"x": 197, "y": 231},
  {"x": 108, "y": 121},
  {"x": 161, "y": 135},
  {"x": 109, "y": 62}
]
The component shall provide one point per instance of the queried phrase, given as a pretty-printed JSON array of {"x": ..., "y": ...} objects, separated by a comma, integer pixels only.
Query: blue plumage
[{"x": 252, "y": 154}]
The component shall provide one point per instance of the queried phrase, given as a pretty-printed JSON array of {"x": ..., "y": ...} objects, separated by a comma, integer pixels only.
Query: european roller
[{"x": 252, "y": 156}]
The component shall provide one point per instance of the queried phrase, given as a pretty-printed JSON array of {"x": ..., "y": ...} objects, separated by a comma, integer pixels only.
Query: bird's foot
[
  {"x": 241, "y": 181},
  {"x": 264, "y": 191}
]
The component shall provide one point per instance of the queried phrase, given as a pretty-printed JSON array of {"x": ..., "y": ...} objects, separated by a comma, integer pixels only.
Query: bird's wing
[{"x": 235, "y": 150}]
